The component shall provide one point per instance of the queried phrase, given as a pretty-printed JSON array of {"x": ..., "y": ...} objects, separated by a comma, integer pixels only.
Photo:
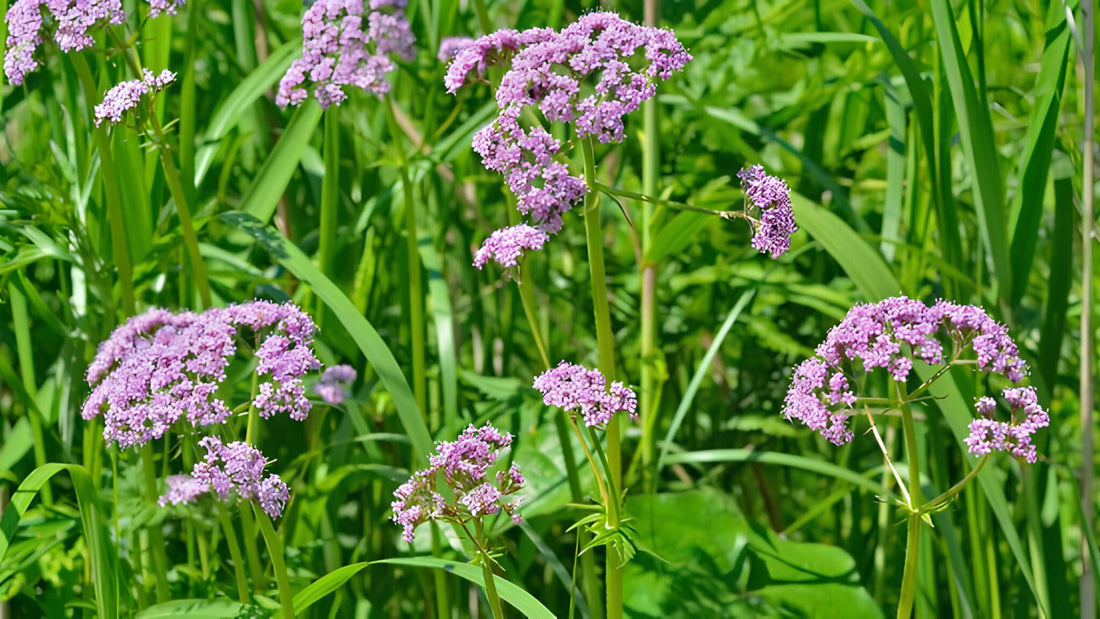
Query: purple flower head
[
  {"x": 1014, "y": 436},
  {"x": 346, "y": 44},
  {"x": 768, "y": 204},
  {"x": 507, "y": 245},
  {"x": 159, "y": 367},
  {"x": 464, "y": 464},
  {"x": 574, "y": 388},
  {"x": 892, "y": 334},
  {"x": 126, "y": 96},
  {"x": 333, "y": 386},
  {"x": 590, "y": 75},
  {"x": 449, "y": 47},
  {"x": 70, "y": 20},
  {"x": 236, "y": 469},
  {"x": 156, "y": 7}
]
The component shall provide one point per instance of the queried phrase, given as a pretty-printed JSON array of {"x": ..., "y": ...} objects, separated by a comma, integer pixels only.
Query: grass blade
[{"x": 273, "y": 177}]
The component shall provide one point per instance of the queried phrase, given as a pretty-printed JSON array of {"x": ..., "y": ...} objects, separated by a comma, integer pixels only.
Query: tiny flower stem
[
  {"x": 591, "y": 460},
  {"x": 275, "y": 549},
  {"x": 680, "y": 206},
  {"x": 912, "y": 546},
  {"x": 527, "y": 296},
  {"x": 942, "y": 499},
  {"x": 235, "y": 554},
  {"x": 330, "y": 187},
  {"x": 248, "y": 530},
  {"x": 605, "y": 343},
  {"x": 651, "y": 357},
  {"x": 252, "y": 408},
  {"x": 886, "y": 457}
]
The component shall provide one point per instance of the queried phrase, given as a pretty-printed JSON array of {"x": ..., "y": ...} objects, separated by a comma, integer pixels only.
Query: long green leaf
[
  {"x": 860, "y": 261},
  {"x": 273, "y": 177},
  {"x": 1027, "y": 207},
  {"x": 979, "y": 148},
  {"x": 193, "y": 609},
  {"x": 232, "y": 109},
  {"x": 366, "y": 337},
  {"x": 102, "y": 556}
]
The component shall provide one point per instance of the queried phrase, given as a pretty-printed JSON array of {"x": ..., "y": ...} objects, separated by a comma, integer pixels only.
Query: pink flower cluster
[
  {"x": 71, "y": 22},
  {"x": 771, "y": 198},
  {"x": 346, "y": 44},
  {"x": 159, "y": 367},
  {"x": 126, "y": 96},
  {"x": 574, "y": 388},
  {"x": 591, "y": 75},
  {"x": 450, "y": 46},
  {"x": 988, "y": 435},
  {"x": 890, "y": 334},
  {"x": 465, "y": 465},
  {"x": 226, "y": 470},
  {"x": 333, "y": 386},
  {"x": 505, "y": 246}
]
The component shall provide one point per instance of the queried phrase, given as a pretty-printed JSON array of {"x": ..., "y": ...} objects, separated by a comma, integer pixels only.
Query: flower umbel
[
  {"x": 71, "y": 21},
  {"x": 574, "y": 388},
  {"x": 1014, "y": 436},
  {"x": 126, "y": 96},
  {"x": 236, "y": 469},
  {"x": 346, "y": 44},
  {"x": 891, "y": 334},
  {"x": 464, "y": 465},
  {"x": 768, "y": 208}
]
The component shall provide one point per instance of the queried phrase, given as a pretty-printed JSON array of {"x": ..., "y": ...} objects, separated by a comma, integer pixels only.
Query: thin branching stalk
[
  {"x": 235, "y": 555},
  {"x": 156, "y": 537},
  {"x": 912, "y": 545},
  {"x": 486, "y": 561},
  {"x": 648, "y": 395},
  {"x": 330, "y": 187},
  {"x": 606, "y": 346},
  {"x": 275, "y": 549}
]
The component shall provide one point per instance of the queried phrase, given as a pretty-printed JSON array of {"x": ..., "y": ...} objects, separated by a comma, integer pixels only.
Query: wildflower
[
  {"x": 72, "y": 20},
  {"x": 988, "y": 435},
  {"x": 506, "y": 246},
  {"x": 159, "y": 367},
  {"x": 346, "y": 45},
  {"x": 591, "y": 75},
  {"x": 334, "y": 383},
  {"x": 772, "y": 199},
  {"x": 464, "y": 464},
  {"x": 451, "y": 46},
  {"x": 126, "y": 96},
  {"x": 891, "y": 335},
  {"x": 227, "y": 470},
  {"x": 156, "y": 7},
  {"x": 575, "y": 388}
]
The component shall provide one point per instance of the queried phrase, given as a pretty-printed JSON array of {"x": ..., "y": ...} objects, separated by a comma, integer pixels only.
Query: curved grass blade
[
  {"x": 271, "y": 181},
  {"x": 366, "y": 337},
  {"x": 193, "y": 609},
  {"x": 701, "y": 372},
  {"x": 828, "y": 469},
  {"x": 102, "y": 556},
  {"x": 509, "y": 592}
]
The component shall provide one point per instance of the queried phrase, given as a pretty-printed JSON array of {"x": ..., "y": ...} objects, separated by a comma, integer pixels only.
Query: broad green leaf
[
  {"x": 676, "y": 235},
  {"x": 366, "y": 337}
]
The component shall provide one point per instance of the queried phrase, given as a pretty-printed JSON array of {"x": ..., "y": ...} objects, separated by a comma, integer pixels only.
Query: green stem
[
  {"x": 120, "y": 248},
  {"x": 1087, "y": 377},
  {"x": 235, "y": 554},
  {"x": 942, "y": 499},
  {"x": 912, "y": 546},
  {"x": 648, "y": 394},
  {"x": 330, "y": 187},
  {"x": 527, "y": 296},
  {"x": 605, "y": 344},
  {"x": 252, "y": 413},
  {"x": 680, "y": 206},
  {"x": 275, "y": 549},
  {"x": 248, "y": 530},
  {"x": 487, "y": 570},
  {"x": 156, "y": 537},
  {"x": 416, "y": 287}
]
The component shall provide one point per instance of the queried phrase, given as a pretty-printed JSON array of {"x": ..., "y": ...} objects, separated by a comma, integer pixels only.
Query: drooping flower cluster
[
  {"x": 575, "y": 388},
  {"x": 346, "y": 44},
  {"x": 333, "y": 386},
  {"x": 890, "y": 334},
  {"x": 450, "y": 46},
  {"x": 465, "y": 464},
  {"x": 773, "y": 218},
  {"x": 591, "y": 75},
  {"x": 159, "y": 367},
  {"x": 988, "y": 435},
  {"x": 506, "y": 245},
  {"x": 125, "y": 96},
  {"x": 227, "y": 470},
  {"x": 71, "y": 21}
]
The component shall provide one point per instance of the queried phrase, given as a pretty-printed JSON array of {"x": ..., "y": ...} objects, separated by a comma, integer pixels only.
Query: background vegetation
[{"x": 937, "y": 150}]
